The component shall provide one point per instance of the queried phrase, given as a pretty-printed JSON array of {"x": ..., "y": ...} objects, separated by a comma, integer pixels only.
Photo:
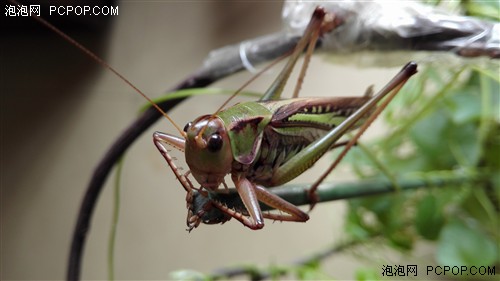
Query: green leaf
[
  {"x": 187, "y": 274},
  {"x": 428, "y": 135},
  {"x": 366, "y": 274},
  {"x": 429, "y": 218},
  {"x": 480, "y": 206},
  {"x": 402, "y": 239},
  {"x": 483, "y": 9},
  {"x": 492, "y": 147},
  {"x": 311, "y": 271},
  {"x": 465, "y": 105},
  {"x": 464, "y": 144},
  {"x": 461, "y": 245},
  {"x": 354, "y": 225},
  {"x": 275, "y": 271}
]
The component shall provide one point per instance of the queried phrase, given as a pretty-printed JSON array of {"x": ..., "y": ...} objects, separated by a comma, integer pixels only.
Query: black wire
[{"x": 104, "y": 167}]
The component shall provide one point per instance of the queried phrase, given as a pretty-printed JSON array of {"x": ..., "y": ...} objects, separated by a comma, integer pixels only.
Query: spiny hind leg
[
  {"x": 292, "y": 212},
  {"x": 252, "y": 216},
  {"x": 247, "y": 191},
  {"x": 312, "y": 194}
]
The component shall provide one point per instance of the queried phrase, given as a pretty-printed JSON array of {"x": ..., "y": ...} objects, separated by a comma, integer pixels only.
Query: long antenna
[
  {"x": 276, "y": 61},
  {"x": 103, "y": 63},
  {"x": 265, "y": 69}
]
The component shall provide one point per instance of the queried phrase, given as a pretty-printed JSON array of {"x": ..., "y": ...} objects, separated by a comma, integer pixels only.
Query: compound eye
[
  {"x": 187, "y": 126},
  {"x": 214, "y": 143}
]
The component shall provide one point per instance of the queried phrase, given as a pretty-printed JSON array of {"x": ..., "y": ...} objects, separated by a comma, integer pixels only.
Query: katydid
[
  {"x": 265, "y": 143},
  {"x": 269, "y": 142}
]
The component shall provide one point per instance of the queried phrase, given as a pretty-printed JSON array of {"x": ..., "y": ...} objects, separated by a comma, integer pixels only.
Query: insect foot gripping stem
[
  {"x": 195, "y": 216},
  {"x": 201, "y": 209}
]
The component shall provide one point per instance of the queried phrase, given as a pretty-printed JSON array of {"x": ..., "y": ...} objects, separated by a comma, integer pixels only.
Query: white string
[{"x": 244, "y": 59}]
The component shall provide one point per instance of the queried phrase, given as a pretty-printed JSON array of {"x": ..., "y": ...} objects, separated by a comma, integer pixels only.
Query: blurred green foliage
[
  {"x": 445, "y": 121},
  {"x": 452, "y": 130}
]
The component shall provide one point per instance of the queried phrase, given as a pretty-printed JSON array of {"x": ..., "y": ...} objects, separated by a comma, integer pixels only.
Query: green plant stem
[
  {"x": 297, "y": 193},
  {"x": 261, "y": 274},
  {"x": 486, "y": 101}
]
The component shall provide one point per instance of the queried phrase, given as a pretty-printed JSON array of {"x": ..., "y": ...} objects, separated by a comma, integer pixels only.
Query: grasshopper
[{"x": 269, "y": 142}]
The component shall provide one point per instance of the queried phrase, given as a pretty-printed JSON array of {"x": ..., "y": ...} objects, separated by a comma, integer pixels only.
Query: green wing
[{"x": 245, "y": 124}]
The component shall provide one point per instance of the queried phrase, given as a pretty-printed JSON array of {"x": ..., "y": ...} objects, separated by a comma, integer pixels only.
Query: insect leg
[
  {"x": 316, "y": 27},
  {"x": 310, "y": 154},
  {"x": 251, "y": 194},
  {"x": 392, "y": 89},
  {"x": 272, "y": 200},
  {"x": 247, "y": 191},
  {"x": 161, "y": 141},
  {"x": 241, "y": 217}
]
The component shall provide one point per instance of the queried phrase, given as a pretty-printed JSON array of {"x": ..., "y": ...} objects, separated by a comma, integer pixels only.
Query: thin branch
[
  {"x": 114, "y": 221},
  {"x": 261, "y": 274},
  {"x": 297, "y": 193}
]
